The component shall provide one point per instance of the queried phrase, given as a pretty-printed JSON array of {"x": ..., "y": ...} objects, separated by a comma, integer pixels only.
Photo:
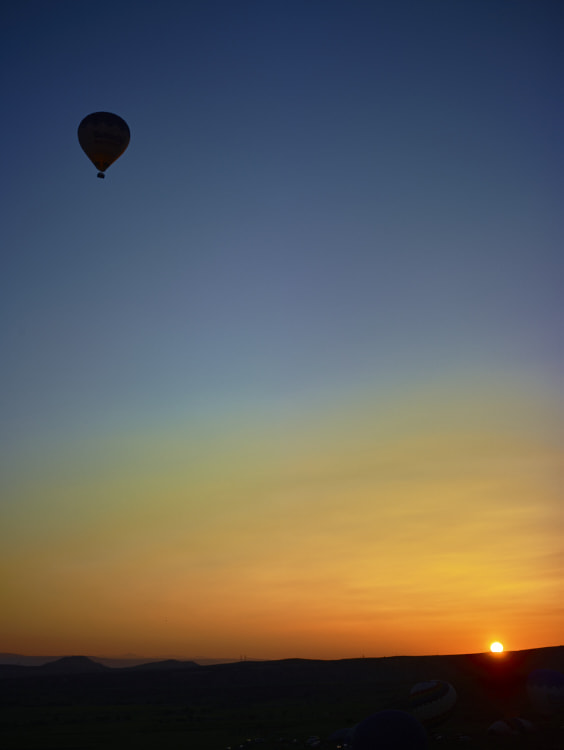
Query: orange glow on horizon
[{"x": 329, "y": 535}]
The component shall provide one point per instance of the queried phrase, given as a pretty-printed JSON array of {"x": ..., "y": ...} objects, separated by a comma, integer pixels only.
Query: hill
[
  {"x": 129, "y": 660},
  {"x": 72, "y": 665}
]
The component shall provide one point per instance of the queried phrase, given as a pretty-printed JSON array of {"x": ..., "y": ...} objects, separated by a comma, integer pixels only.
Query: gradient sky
[{"x": 289, "y": 381}]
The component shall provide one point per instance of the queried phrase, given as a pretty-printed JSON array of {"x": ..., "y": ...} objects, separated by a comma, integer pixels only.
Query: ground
[{"x": 282, "y": 705}]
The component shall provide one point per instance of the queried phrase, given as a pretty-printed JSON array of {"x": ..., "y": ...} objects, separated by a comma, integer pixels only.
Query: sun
[{"x": 496, "y": 647}]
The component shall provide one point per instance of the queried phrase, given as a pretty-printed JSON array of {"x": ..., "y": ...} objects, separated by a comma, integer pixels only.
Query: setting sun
[{"x": 496, "y": 647}]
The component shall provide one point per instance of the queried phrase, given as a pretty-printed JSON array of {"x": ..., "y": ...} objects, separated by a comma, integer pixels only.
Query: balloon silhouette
[
  {"x": 546, "y": 691},
  {"x": 103, "y": 137},
  {"x": 515, "y": 727}
]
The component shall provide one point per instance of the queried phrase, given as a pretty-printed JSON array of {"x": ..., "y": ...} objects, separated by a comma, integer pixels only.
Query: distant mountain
[
  {"x": 78, "y": 665},
  {"x": 25, "y": 661},
  {"x": 81, "y": 665},
  {"x": 129, "y": 660}
]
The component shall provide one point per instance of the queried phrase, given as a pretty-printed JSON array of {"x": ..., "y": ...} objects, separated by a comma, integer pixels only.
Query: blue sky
[{"x": 326, "y": 208}]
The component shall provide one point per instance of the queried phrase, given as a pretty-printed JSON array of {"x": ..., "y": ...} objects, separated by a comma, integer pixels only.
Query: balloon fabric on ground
[
  {"x": 545, "y": 688},
  {"x": 432, "y": 702},
  {"x": 514, "y": 727}
]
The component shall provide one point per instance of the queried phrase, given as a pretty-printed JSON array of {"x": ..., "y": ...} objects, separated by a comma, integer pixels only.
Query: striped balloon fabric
[{"x": 432, "y": 702}]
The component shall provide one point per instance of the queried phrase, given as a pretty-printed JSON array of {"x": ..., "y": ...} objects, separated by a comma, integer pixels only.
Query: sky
[{"x": 288, "y": 382}]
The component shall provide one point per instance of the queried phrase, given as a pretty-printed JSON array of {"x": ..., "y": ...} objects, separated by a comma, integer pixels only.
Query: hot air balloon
[
  {"x": 514, "y": 727},
  {"x": 432, "y": 702},
  {"x": 389, "y": 730},
  {"x": 103, "y": 137}
]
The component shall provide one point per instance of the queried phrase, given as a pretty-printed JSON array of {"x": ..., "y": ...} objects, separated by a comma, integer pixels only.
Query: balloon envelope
[
  {"x": 389, "y": 730},
  {"x": 103, "y": 137},
  {"x": 432, "y": 702},
  {"x": 515, "y": 727}
]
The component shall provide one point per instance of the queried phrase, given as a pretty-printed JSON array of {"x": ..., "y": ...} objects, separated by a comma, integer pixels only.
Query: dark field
[{"x": 77, "y": 703}]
